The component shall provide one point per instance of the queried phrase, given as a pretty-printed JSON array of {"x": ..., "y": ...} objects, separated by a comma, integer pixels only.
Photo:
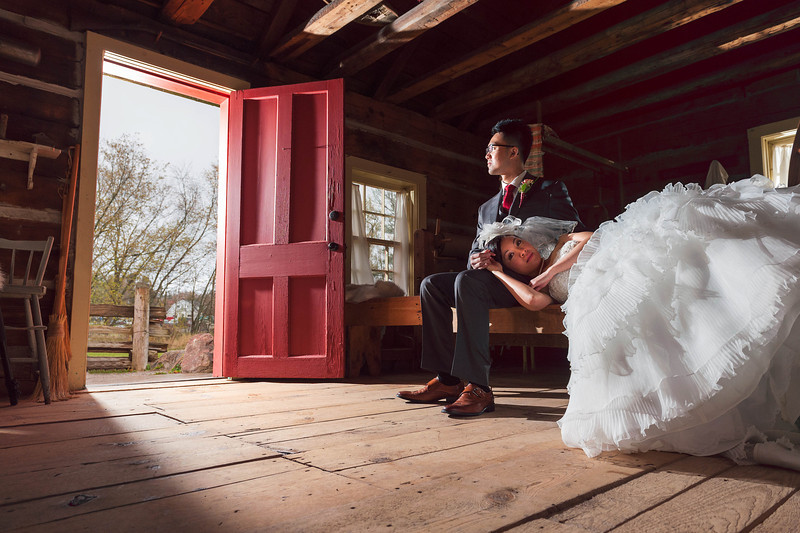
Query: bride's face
[{"x": 520, "y": 256}]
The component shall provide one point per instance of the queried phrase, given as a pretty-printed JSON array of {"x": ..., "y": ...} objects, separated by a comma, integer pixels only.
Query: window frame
[
  {"x": 360, "y": 170},
  {"x": 373, "y": 240},
  {"x": 761, "y": 138}
]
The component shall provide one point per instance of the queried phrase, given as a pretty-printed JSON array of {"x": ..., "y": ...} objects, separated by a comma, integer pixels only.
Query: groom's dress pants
[{"x": 472, "y": 293}]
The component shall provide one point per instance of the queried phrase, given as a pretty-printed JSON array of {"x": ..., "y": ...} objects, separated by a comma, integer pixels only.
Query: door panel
[{"x": 284, "y": 284}]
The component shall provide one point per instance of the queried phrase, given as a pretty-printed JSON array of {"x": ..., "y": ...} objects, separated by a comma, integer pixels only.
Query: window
[
  {"x": 776, "y": 150},
  {"x": 391, "y": 202},
  {"x": 379, "y": 206},
  {"x": 770, "y": 149}
]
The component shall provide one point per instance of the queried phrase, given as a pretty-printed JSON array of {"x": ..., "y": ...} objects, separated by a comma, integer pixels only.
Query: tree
[{"x": 153, "y": 223}]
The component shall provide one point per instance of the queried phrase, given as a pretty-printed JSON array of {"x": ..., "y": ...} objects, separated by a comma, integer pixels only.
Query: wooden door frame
[{"x": 96, "y": 46}]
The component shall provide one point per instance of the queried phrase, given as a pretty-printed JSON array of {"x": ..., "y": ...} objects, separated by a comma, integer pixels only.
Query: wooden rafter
[
  {"x": 750, "y": 69},
  {"x": 750, "y": 31},
  {"x": 636, "y": 29},
  {"x": 426, "y": 15},
  {"x": 574, "y": 12},
  {"x": 399, "y": 64},
  {"x": 324, "y": 23},
  {"x": 185, "y": 11},
  {"x": 276, "y": 29}
]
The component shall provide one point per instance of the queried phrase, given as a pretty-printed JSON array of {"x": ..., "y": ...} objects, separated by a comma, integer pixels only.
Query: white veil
[{"x": 541, "y": 232}]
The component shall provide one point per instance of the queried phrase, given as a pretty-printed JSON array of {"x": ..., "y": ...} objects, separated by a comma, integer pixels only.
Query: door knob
[{"x": 332, "y": 246}]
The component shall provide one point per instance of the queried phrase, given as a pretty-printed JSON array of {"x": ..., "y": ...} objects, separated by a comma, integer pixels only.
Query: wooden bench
[{"x": 513, "y": 326}]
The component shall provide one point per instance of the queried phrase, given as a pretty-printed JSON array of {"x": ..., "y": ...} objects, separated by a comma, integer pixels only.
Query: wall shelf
[{"x": 25, "y": 151}]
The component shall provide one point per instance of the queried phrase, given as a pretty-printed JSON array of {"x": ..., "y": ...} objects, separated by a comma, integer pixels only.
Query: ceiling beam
[
  {"x": 324, "y": 23},
  {"x": 633, "y": 30},
  {"x": 740, "y": 73},
  {"x": 405, "y": 55},
  {"x": 554, "y": 22},
  {"x": 276, "y": 29},
  {"x": 185, "y": 11},
  {"x": 750, "y": 31},
  {"x": 416, "y": 21}
]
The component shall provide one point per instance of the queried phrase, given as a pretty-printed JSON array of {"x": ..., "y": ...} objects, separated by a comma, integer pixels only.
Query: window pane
[
  {"x": 390, "y": 199},
  {"x": 390, "y": 258},
  {"x": 374, "y": 201},
  {"x": 374, "y": 226},
  {"x": 376, "y": 256},
  {"x": 389, "y": 228}
]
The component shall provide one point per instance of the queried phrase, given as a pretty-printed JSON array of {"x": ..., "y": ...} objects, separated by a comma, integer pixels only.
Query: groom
[{"x": 474, "y": 291}]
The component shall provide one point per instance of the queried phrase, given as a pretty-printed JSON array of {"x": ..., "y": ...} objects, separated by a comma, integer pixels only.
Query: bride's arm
[
  {"x": 526, "y": 296},
  {"x": 565, "y": 262}
]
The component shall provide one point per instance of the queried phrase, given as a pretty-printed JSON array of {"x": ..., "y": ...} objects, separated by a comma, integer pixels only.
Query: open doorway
[
  {"x": 155, "y": 216},
  {"x": 148, "y": 70}
]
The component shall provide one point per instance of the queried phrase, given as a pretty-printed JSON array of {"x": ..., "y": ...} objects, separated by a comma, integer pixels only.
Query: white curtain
[
  {"x": 780, "y": 164},
  {"x": 402, "y": 253},
  {"x": 360, "y": 271}
]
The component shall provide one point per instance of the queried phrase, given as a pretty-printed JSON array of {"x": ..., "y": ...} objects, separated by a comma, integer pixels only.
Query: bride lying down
[{"x": 681, "y": 316}]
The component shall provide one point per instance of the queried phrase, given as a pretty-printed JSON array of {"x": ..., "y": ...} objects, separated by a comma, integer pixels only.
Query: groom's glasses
[{"x": 492, "y": 146}]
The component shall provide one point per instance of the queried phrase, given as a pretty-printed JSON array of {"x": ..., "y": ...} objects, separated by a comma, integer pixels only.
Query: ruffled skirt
[{"x": 682, "y": 322}]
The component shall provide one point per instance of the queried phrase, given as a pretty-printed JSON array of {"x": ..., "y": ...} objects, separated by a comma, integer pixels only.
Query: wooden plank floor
[{"x": 217, "y": 455}]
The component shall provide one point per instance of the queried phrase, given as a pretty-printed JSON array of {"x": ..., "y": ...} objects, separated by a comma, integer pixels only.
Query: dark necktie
[{"x": 508, "y": 199}]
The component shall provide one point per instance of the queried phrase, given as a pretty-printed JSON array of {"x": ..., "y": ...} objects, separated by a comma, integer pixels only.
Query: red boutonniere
[{"x": 524, "y": 187}]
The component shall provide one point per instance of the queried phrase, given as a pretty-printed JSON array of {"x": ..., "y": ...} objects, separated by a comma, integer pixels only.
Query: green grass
[{"x": 106, "y": 354}]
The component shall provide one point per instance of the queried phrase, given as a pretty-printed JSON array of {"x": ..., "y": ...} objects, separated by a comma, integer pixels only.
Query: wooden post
[{"x": 141, "y": 331}]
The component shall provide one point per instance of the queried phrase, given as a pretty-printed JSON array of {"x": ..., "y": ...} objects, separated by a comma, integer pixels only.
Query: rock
[
  {"x": 198, "y": 356},
  {"x": 169, "y": 360}
]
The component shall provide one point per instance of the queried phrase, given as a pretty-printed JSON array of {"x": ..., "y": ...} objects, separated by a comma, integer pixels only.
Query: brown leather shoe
[
  {"x": 434, "y": 391},
  {"x": 473, "y": 401}
]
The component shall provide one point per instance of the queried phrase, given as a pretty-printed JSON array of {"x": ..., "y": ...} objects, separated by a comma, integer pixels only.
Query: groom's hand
[{"x": 481, "y": 259}]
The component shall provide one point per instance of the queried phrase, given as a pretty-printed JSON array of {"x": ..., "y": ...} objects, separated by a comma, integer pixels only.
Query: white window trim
[
  {"x": 758, "y": 162},
  {"x": 380, "y": 175}
]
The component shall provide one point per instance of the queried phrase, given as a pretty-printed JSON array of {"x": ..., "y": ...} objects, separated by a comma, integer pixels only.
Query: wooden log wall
[{"x": 40, "y": 80}]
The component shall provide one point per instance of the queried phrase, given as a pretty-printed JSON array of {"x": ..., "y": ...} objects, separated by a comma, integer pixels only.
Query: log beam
[
  {"x": 426, "y": 15},
  {"x": 636, "y": 29},
  {"x": 276, "y": 29},
  {"x": 751, "y": 31},
  {"x": 558, "y": 20},
  {"x": 743, "y": 71},
  {"x": 185, "y": 11},
  {"x": 324, "y": 23}
]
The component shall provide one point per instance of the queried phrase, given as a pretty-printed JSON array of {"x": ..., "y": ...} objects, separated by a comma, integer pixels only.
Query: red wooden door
[{"x": 283, "y": 270}]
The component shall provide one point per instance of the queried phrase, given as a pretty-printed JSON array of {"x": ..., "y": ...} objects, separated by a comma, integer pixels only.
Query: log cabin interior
[{"x": 631, "y": 94}]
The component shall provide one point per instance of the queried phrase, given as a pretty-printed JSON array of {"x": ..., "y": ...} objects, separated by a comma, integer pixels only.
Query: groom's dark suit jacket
[{"x": 547, "y": 198}]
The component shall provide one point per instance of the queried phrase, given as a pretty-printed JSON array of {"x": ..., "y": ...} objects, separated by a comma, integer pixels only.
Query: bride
[{"x": 681, "y": 317}]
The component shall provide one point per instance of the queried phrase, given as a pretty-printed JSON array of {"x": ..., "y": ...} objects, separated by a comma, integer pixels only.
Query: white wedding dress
[{"x": 682, "y": 322}]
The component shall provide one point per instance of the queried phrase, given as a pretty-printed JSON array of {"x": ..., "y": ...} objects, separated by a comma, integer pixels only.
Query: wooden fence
[{"x": 146, "y": 333}]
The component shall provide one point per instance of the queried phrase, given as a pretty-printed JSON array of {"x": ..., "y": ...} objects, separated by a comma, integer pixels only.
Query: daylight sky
[{"x": 172, "y": 129}]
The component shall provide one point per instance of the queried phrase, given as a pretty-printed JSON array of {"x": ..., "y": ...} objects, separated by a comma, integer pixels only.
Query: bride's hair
[{"x": 494, "y": 247}]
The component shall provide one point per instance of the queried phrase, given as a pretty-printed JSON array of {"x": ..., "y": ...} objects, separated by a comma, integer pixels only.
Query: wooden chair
[{"x": 25, "y": 263}]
